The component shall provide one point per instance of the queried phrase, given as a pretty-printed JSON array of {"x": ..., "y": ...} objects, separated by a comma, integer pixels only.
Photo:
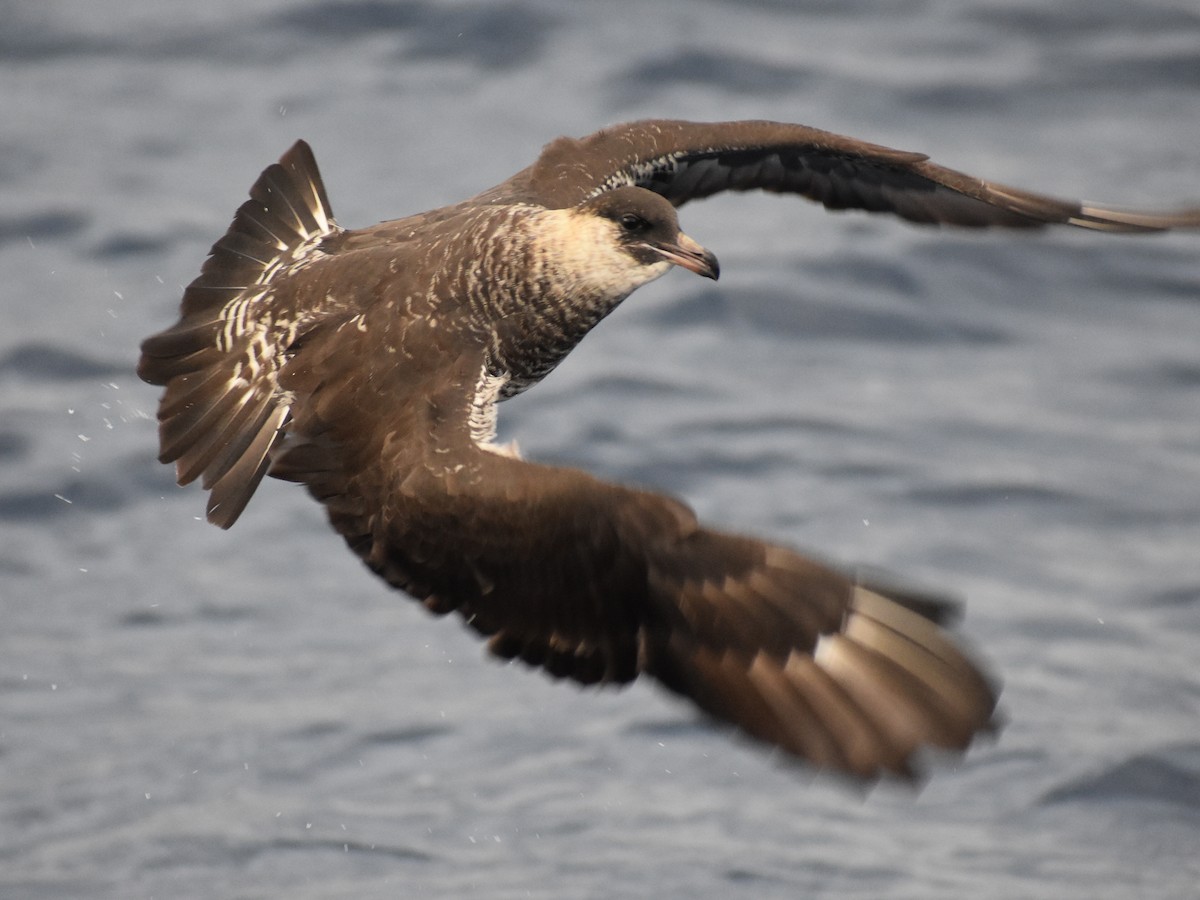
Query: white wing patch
[{"x": 640, "y": 174}]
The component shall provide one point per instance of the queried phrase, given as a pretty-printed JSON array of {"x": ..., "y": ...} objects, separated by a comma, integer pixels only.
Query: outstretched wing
[
  {"x": 689, "y": 160},
  {"x": 222, "y": 410},
  {"x": 598, "y": 583}
]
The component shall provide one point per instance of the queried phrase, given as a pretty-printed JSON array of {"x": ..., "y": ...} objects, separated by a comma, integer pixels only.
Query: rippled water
[{"x": 191, "y": 713}]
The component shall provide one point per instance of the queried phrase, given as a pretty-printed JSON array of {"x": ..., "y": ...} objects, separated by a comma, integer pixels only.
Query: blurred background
[{"x": 1015, "y": 419}]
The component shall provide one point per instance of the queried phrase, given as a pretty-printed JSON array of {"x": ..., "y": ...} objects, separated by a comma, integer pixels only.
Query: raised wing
[
  {"x": 689, "y": 160},
  {"x": 599, "y": 583},
  {"x": 222, "y": 412}
]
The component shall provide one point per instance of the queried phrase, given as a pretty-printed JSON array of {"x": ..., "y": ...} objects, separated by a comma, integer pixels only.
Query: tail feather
[{"x": 222, "y": 410}]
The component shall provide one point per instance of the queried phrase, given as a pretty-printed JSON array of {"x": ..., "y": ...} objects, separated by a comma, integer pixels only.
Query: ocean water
[{"x": 190, "y": 713}]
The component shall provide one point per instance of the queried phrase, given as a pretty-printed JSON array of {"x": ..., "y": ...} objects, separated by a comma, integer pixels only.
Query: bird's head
[
  {"x": 644, "y": 225},
  {"x": 610, "y": 245}
]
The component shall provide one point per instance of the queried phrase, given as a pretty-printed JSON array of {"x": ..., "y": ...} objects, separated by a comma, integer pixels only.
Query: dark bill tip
[{"x": 690, "y": 255}]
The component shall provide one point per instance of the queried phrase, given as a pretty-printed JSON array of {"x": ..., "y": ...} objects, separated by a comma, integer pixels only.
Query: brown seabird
[{"x": 367, "y": 365}]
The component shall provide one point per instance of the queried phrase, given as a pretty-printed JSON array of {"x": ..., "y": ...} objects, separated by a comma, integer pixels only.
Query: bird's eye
[{"x": 633, "y": 223}]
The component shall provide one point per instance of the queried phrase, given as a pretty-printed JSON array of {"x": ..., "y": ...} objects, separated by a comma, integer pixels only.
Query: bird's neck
[{"x": 545, "y": 280}]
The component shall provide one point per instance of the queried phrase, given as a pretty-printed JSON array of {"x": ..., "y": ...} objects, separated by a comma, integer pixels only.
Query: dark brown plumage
[{"x": 367, "y": 364}]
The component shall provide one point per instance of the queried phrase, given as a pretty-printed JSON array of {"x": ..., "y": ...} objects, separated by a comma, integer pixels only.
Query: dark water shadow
[
  {"x": 39, "y": 361},
  {"x": 48, "y": 225},
  {"x": 718, "y": 70},
  {"x": 491, "y": 36},
  {"x": 1168, "y": 775}
]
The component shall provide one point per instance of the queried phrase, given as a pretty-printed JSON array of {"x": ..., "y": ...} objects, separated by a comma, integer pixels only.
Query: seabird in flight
[{"x": 367, "y": 365}]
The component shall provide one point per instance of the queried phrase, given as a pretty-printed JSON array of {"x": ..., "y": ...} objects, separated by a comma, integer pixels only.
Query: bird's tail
[{"x": 222, "y": 410}]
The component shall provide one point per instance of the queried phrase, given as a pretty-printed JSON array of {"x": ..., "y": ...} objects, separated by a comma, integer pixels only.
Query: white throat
[{"x": 587, "y": 250}]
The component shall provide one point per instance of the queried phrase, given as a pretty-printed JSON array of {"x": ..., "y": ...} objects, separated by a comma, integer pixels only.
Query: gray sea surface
[{"x": 191, "y": 713}]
